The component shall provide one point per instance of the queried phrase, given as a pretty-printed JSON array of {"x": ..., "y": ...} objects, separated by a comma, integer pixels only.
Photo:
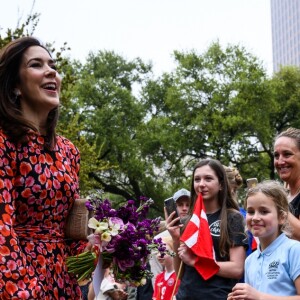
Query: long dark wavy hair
[
  {"x": 225, "y": 199},
  {"x": 12, "y": 122}
]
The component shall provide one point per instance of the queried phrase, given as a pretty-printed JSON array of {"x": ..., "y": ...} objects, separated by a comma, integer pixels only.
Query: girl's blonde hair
[{"x": 168, "y": 241}]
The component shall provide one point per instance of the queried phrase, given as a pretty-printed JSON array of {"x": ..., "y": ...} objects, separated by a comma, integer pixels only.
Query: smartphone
[
  {"x": 251, "y": 182},
  {"x": 170, "y": 206}
]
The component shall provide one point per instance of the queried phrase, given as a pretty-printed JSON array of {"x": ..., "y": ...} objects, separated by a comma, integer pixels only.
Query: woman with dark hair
[
  {"x": 39, "y": 177},
  {"x": 228, "y": 235}
]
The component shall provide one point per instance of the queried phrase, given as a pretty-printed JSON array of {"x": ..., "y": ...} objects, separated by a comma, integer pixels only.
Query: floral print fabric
[{"x": 37, "y": 190}]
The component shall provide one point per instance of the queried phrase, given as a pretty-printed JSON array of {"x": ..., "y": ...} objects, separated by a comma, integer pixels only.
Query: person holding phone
[
  {"x": 287, "y": 165},
  {"x": 179, "y": 203},
  {"x": 182, "y": 201},
  {"x": 227, "y": 229}
]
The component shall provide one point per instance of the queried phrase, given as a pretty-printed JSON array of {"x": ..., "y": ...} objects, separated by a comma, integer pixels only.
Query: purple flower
[
  {"x": 131, "y": 237},
  {"x": 124, "y": 264}
]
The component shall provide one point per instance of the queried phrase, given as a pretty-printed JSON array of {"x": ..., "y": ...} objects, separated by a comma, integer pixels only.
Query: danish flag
[{"x": 198, "y": 238}]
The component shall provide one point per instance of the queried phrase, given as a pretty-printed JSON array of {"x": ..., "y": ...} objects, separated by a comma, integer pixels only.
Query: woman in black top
[{"x": 228, "y": 234}]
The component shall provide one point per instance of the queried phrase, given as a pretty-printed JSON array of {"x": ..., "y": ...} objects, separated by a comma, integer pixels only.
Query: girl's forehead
[
  {"x": 205, "y": 170},
  {"x": 260, "y": 199}
]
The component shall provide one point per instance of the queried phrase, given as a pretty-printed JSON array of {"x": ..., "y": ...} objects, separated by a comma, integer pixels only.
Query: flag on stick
[{"x": 198, "y": 238}]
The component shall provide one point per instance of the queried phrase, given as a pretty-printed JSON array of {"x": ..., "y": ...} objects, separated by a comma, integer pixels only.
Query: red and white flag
[{"x": 198, "y": 238}]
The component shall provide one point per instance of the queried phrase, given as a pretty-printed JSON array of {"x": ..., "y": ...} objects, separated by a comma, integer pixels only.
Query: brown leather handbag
[{"x": 77, "y": 221}]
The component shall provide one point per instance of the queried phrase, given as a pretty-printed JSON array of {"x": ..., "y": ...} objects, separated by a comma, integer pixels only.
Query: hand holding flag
[{"x": 198, "y": 238}]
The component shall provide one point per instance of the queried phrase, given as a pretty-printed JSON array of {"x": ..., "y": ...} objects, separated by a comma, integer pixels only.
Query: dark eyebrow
[{"x": 50, "y": 61}]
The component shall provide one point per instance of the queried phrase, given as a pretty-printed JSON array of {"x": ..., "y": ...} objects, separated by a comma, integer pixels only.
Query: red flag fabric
[{"x": 198, "y": 238}]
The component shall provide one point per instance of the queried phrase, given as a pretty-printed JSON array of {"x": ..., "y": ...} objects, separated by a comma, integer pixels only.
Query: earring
[{"x": 17, "y": 93}]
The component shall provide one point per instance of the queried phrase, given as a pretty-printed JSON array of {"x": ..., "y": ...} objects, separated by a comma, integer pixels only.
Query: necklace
[{"x": 290, "y": 196}]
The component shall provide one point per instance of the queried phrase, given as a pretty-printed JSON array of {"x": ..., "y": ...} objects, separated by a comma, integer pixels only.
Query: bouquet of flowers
[{"x": 124, "y": 239}]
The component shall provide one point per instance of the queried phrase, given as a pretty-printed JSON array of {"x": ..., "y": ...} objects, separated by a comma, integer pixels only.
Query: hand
[
  {"x": 186, "y": 255},
  {"x": 243, "y": 291},
  {"x": 173, "y": 229},
  {"x": 88, "y": 246},
  {"x": 118, "y": 294}
]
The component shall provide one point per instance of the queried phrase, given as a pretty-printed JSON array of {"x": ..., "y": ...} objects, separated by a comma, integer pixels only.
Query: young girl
[
  {"x": 227, "y": 230},
  {"x": 273, "y": 270},
  {"x": 166, "y": 282}
]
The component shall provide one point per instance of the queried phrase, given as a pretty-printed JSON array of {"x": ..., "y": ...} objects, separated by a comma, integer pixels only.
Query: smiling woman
[
  {"x": 38, "y": 177},
  {"x": 287, "y": 164},
  {"x": 40, "y": 86}
]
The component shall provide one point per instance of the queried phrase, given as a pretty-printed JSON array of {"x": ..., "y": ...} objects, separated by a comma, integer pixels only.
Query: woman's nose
[
  {"x": 280, "y": 160},
  {"x": 50, "y": 72}
]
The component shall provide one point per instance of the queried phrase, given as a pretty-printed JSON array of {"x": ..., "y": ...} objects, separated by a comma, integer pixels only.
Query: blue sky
[{"x": 150, "y": 29}]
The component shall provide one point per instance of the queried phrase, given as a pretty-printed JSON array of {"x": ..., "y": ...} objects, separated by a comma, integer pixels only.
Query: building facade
[{"x": 285, "y": 16}]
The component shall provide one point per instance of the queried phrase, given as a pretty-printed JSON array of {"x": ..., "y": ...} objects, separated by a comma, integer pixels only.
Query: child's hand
[{"x": 244, "y": 291}]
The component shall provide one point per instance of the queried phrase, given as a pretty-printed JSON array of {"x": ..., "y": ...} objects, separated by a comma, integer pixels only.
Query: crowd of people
[{"x": 39, "y": 182}]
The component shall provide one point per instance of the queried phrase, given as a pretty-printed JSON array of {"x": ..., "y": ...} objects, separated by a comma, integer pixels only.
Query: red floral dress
[{"x": 37, "y": 189}]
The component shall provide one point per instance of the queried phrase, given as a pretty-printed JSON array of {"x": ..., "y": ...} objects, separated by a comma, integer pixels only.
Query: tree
[
  {"x": 285, "y": 110},
  {"x": 140, "y": 136},
  {"x": 113, "y": 117},
  {"x": 213, "y": 105}
]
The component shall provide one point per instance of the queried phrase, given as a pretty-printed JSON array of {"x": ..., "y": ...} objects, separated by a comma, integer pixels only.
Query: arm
[
  {"x": 17, "y": 281},
  {"x": 234, "y": 268},
  {"x": 246, "y": 292},
  {"x": 295, "y": 225}
]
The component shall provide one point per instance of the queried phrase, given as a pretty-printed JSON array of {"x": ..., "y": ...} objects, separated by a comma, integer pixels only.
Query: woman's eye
[{"x": 35, "y": 65}]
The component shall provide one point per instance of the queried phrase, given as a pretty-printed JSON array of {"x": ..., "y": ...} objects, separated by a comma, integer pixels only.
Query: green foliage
[
  {"x": 113, "y": 118},
  {"x": 142, "y": 135},
  {"x": 26, "y": 28},
  {"x": 212, "y": 106}
]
